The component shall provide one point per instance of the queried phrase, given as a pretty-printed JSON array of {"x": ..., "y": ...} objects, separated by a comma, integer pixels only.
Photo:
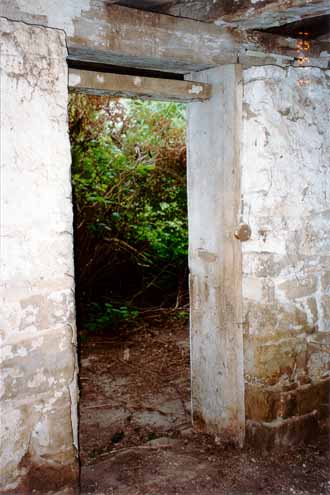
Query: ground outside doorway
[{"x": 135, "y": 426}]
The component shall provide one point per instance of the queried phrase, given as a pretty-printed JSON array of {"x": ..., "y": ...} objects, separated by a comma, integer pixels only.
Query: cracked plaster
[
  {"x": 38, "y": 351},
  {"x": 286, "y": 200}
]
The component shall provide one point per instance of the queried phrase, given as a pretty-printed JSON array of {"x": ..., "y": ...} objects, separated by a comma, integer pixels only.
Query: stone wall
[
  {"x": 38, "y": 351},
  {"x": 285, "y": 156},
  {"x": 285, "y": 151}
]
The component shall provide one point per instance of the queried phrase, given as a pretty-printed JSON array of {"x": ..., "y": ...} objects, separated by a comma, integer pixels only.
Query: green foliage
[
  {"x": 106, "y": 315},
  {"x": 182, "y": 315},
  {"x": 129, "y": 183}
]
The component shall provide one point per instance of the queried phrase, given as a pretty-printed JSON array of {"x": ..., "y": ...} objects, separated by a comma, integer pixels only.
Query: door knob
[{"x": 243, "y": 232}]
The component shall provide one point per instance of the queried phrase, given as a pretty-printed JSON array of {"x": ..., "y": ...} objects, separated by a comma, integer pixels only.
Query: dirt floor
[{"x": 135, "y": 427}]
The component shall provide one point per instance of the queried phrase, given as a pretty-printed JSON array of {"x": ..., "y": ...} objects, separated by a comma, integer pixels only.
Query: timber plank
[
  {"x": 99, "y": 32},
  {"x": 100, "y": 83}
]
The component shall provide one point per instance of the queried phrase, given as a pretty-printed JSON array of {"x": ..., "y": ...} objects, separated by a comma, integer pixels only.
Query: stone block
[
  {"x": 291, "y": 316},
  {"x": 266, "y": 404},
  {"x": 313, "y": 309},
  {"x": 36, "y": 448},
  {"x": 325, "y": 281},
  {"x": 295, "y": 289},
  {"x": 34, "y": 313},
  {"x": 318, "y": 355},
  {"x": 253, "y": 288},
  {"x": 325, "y": 308},
  {"x": 49, "y": 309},
  {"x": 311, "y": 397},
  {"x": 263, "y": 264},
  {"x": 269, "y": 359},
  {"x": 35, "y": 365},
  {"x": 282, "y": 432},
  {"x": 261, "y": 404},
  {"x": 260, "y": 319}
]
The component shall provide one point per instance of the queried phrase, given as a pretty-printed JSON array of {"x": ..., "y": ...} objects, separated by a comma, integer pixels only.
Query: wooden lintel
[
  {"x": 109, "y": 34},
  {"x": 100, "y": 83}
]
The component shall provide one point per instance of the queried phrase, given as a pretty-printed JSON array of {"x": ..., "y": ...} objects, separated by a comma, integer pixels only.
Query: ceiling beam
[
  {"x": 109, "y": 34},
  {"x": 249, "y": 14},
  {"x": 100, "y": 83},
  {"x": 145, "y": 4}
]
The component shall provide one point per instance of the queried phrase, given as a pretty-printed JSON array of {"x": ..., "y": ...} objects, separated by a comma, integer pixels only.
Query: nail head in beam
[{"x": 100, "y": 83}]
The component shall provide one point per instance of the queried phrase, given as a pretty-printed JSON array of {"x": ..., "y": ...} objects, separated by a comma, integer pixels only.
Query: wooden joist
[
  {"x": 249, "y": 14},
  {"x": 100, "y": 83},
  {"x": 104, "y": 33}
]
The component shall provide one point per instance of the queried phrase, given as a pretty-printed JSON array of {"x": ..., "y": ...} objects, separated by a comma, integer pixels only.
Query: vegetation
[{"x": 129, "y": 186}]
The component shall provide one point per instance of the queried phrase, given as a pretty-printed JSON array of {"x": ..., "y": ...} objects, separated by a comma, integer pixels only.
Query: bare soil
[{"x": 135, "y": 427}]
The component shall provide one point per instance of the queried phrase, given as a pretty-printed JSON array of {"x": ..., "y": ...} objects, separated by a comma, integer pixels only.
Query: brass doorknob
[{"x": 243, "y": 232}]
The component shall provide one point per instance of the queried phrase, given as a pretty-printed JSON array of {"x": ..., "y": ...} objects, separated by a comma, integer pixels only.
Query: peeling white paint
[
  {"x": 37, "y": 305},
  {"x": 285, "y": 149},
  {"x": 37, "y": 343},
  {"x": 74, "y": 79},
  {"x": 37, "y": 379},
  {"x": 137, "y": 81},
  {"x": 9, "y": 352},
  {"x": 195, "y": 89}
]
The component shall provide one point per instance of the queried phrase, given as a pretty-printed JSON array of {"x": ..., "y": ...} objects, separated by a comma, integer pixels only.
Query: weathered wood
[
  {"x": 109, "y": 34},
  {"x": 215, "y": 256},
  {"x": 283, "y": 51},
  {"x": 248, "y": 13},
  {"x": 144, "y": 4},
  {"x": 100, "y": 83}
]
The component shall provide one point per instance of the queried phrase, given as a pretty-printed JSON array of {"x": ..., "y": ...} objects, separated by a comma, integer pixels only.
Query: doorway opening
[{"x": 131, "y": 263}]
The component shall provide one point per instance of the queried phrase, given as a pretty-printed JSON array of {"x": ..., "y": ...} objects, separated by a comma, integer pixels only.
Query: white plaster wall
[
  {"x": 37, "y": 327},
  {"x": 285, "y": 157},
  {"x": 51, "y": 13}
]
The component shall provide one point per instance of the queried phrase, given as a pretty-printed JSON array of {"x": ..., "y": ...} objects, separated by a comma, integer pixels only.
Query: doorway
[
  {"x": 131, "y": 247},
  {"x": 213, "y": 135}
]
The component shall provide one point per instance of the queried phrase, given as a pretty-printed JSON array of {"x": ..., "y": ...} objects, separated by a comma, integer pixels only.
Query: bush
[
  {"x": 129, "y": 186},
  {"x": 106, "y": 315}
]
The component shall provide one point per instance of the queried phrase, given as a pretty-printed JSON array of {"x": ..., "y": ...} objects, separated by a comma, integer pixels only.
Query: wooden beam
[
  {"x": 249, "y": 14},
  {"x": 109, "y": 34},
  {"x": 152, "y": 41},
  {"x": 215, "y": 256},
  {"x": 100, "y": 83},
  {"x": 143, "y": 4},
  {"x": 283, "y": 51}
]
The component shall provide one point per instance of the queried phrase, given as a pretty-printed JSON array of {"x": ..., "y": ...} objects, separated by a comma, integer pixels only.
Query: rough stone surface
[
  {"x": 38, "y": 352},
  {"x": 286, "y": 275},
  {"x": 286, "y": 264},
  {"x": 282, "y": 433},
  {"x": 276, "y": 402}
]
